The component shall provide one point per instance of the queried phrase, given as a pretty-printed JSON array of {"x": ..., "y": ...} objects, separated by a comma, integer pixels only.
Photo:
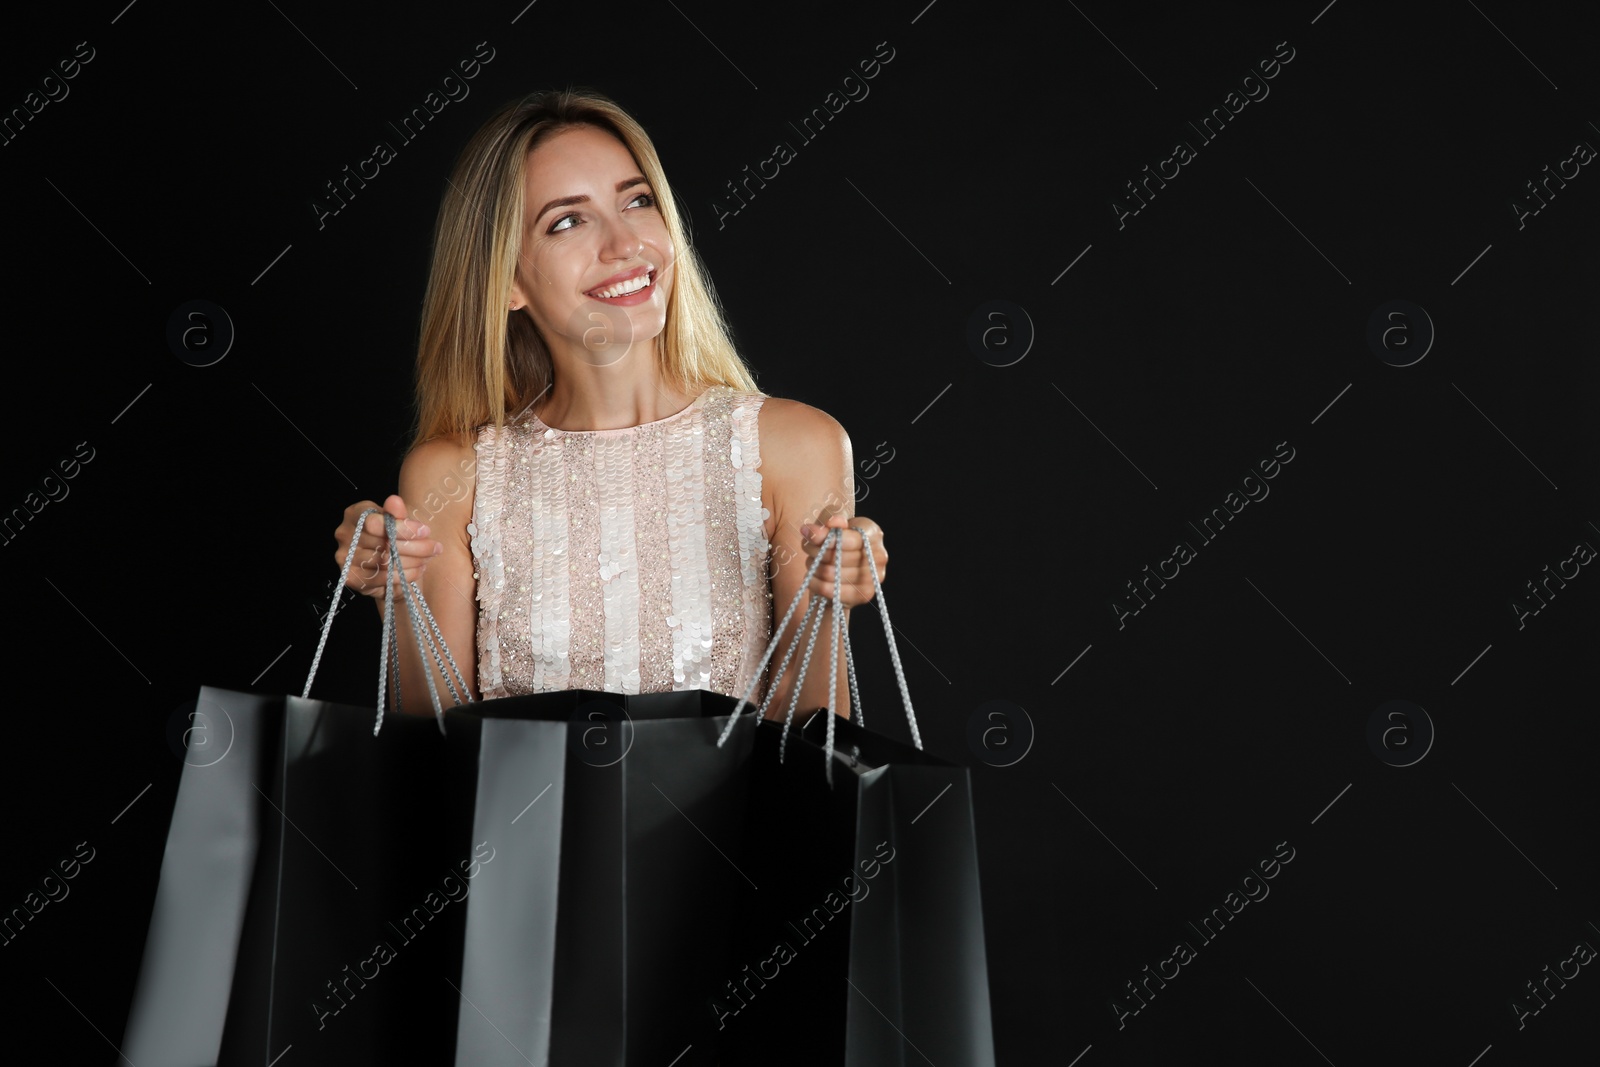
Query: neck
[{"x": 627, "y": 392}]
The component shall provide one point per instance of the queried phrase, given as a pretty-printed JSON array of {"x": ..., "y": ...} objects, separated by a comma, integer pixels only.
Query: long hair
[{"x": 476, "y": 363}]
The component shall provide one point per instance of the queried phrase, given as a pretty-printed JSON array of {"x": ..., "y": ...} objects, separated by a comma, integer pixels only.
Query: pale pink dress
[{"x": 628, "y": 561}]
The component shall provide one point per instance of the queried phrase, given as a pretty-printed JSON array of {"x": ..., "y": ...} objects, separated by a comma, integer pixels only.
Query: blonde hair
[{"x": 476, "y": 364}]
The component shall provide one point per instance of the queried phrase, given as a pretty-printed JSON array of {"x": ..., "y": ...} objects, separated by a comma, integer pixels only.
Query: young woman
[{"x": 597, "y": 496}]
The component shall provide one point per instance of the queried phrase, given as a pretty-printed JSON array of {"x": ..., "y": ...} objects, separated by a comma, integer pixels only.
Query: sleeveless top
[{"x": 628, "y": 561}]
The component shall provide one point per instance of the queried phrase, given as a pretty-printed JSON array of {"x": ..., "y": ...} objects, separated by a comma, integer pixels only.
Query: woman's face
[{"x": 592, "y": 217}]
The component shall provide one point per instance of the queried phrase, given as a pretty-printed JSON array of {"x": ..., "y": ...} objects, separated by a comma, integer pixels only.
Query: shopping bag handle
[
  {"x": 839, "y": 630},
  {"x": 389, "y": 655}
]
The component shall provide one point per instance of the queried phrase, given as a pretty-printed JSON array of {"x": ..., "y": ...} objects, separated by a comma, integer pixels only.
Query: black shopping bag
[
  {"x": 361, "y": 883},
  {"x": 604, "y": 911},
  {"x": 309, "y": 877},
  {"x": 867, "y": 928},
  {"x": 406, "y": 897}
]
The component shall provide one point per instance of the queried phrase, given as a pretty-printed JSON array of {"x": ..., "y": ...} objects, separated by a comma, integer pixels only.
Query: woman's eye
[{"x": 557, "y": 226}]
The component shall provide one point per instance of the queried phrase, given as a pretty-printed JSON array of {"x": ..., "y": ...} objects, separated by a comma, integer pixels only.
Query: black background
[{"x": 1227, "y": 316}]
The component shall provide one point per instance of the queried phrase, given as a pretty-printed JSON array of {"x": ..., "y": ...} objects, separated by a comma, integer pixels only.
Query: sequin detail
[
  {"x": 753, "y": 550},
  {"x": 629, "y": 561}
]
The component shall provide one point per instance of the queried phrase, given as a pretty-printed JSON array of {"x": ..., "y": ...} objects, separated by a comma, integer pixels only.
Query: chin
[{"x": 648, "y": 327}]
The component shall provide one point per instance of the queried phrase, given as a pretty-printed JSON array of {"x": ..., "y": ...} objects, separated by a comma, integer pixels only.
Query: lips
[{"x": 618, "y": 279}]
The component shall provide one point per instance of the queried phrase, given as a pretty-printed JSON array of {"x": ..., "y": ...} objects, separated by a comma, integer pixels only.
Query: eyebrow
[{"x": 564, "y": 201}]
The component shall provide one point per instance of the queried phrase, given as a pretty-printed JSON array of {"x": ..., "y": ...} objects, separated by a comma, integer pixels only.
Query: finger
[
  {"x": 851, "y": 597},
  {"x": 868, "y": 525},
  {"x": 375, "y": 584},
  {"x": 855, "y": 576},
  {"x": 813, "y": 535},
  {"x": 875, "y": 534},
  {"x": 411, "y": 552},
  {"x": 828, "y": 554},
  {"x": 417, "y": 547},
  {"x": 410, "y": 566},
  {"x": 403, "y": 528}
]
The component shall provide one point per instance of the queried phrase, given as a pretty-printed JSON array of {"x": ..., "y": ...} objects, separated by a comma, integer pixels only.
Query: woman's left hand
[{"x": 856, "y": 588}]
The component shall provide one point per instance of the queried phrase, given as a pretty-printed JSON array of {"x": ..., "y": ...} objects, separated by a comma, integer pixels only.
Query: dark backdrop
[{"x": 1034, "y": 456}]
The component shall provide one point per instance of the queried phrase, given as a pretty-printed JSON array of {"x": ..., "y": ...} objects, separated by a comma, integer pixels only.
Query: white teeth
[{"x": 632, "y": 285}]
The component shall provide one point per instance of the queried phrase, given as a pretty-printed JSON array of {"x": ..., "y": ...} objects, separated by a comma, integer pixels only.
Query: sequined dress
[{"x": 630, "y": 560}]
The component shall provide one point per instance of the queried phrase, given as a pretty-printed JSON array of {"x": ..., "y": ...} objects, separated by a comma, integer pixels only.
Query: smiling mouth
[{"x": 627, "y": 288}]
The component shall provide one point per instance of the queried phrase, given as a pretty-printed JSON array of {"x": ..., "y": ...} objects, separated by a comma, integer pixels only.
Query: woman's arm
[
  {"x": 447, "y": 584},
  {"x": 806, "y": 471}
]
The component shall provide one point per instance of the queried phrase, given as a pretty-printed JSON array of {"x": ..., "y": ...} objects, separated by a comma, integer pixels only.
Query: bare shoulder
[
  {"x": 795, "y": 434},
  {"x": 437, "y": 480},
  {"x": 805, "y": 462}
]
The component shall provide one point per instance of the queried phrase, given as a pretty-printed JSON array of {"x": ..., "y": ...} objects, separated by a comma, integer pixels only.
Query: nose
[{"x": 621, "y": 242}]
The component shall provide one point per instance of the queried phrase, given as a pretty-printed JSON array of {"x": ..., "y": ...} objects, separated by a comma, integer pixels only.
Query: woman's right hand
[{"x": 369, "y": 572}]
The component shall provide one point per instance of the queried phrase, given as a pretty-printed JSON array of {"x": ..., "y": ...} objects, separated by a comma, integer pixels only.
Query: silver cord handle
[
  {"x": 390, "y": 652},
  {"x": 839, "y": 631}
]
